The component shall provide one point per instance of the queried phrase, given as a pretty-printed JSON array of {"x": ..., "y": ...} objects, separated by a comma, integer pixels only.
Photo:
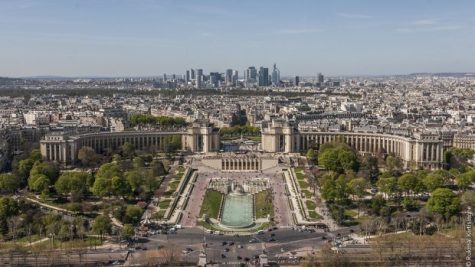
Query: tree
[
  {"x": 116, "y": 158},
  {"x": 311, "y": 155},
  {"x": 457, "y": 157},
  {"x": 443, "y": 201},
  {"x": 134, "y": 179},
  {"x": 35, "y": 155},
  {"x": 87, "y": 156},
  {"x": 102, "y": 187},
  {"x": 387, "y": 185},
  {"x": 102, "y": 225},
  {"x": 103, "y": 182},
  {"x": 128, "y": 149},
  {"x": 23, "y": 169},
  {"x": 128, "y": 231},
  {"x": 45, "y": 168},
  {"x": 436, "y": 179},
  {"x": 464, "y": 180},
  {"x": 410, "y": 183},
  {"x": 9, "y": 182},
  {"x": 133, "y": 214},
  {"x": 338, "y": 157},
  {"x": 73, "y": 183},
  {"x": 8, "y": 209},
  {"x": 157, "y": 168},
  {"x": 39, "y": 183},
  {"x": 120, "y": 187},
  {"x": 369, "y": 168},
  {"x": 151, "y": 183},
  {"x": 329, "y": 186},
  {"x": 393, "y": 164},
  {"x": 377, "y": 203},
  {"x": 358, "y": 186},
  {"x": 138, "y": 163},
  {"x": 342, "y": 189}
]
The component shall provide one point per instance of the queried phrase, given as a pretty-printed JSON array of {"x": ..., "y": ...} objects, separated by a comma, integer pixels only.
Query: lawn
[
  {"x": 303, "y": 184},
  {"x": 307, "y": 193},
  {"x": 173, "y": 185},
  {"x": 310, "y": 205},
  {"x": 351, "y": 213},
  {"x": 163, "y": 204},
  {"x": 159, "y": 215},
  {"x": 314, "y": 215},
  {"x": 263, "y": 201},
  {"x": 300, "y": 176},
  {"x": 211, "y": 204}
]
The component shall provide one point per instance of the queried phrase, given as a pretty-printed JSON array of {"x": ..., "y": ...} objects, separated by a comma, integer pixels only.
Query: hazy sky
[{"x": 150, "y": 37}]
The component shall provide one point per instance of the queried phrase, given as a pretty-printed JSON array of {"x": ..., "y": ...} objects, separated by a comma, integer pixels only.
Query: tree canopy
[
  {"x": 338, "y": 157},
  {"x": 141, "y": 119},
  {"x": 74, "y": 184},
  {"x": 9, "y": 182},
  {"x": 444, "y": 202}
]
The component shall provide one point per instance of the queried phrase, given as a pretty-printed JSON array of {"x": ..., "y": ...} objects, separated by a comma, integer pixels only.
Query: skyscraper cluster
[{"x": 251, "y": 77}]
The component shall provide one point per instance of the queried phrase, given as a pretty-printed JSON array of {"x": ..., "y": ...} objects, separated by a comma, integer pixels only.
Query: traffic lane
[{"x": 196, "y": 235}]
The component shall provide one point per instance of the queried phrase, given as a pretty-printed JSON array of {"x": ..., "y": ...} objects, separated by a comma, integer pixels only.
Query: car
[
  {"x": 247, "y": 259},
  {"x": 231, "y": 243},
  {"x": 273, "y": 234},
  {"x": 224, "y": 243},
  {"x": 223, "y": 256},
  {"x": 239, "y": 258},
  {"x": 189, "y": 249},
  {"x": 240, "y": 246},
  {"x": 271, "y": 239},
  {"x": 253, "y": 240},
  {"x": 226, "y": 249},
  {"x": 260, "y": 232}
]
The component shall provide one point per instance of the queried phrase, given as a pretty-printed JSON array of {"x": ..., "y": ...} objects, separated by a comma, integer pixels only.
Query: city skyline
[{"x": 149, "y": 38}]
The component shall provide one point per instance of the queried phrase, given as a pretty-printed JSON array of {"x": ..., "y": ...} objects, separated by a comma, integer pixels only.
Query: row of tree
[
  {"x": 143, "y": 119},
  {"x": 238, "y": 130}
]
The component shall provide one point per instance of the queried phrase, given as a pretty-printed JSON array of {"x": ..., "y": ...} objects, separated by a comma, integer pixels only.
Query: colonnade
[
  {"x": 406, "y": 148},
  {"x": 241, "y": 164},
  {"x": 55, "y": 152},
  {"x": 99, "y": 143}
]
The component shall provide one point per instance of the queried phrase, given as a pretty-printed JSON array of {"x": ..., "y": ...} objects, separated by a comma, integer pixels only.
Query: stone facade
[
  {"x": 464, "y": 141},
  {"x": 231, "y": 162},
  {"x": 422, "y": 150},
  {"x": 64, "y": 148}
]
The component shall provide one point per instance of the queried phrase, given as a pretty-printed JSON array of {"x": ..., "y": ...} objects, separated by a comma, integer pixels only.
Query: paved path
[
  {"x": 282, "y": 212},
  {"x": 192, "y": 211}
]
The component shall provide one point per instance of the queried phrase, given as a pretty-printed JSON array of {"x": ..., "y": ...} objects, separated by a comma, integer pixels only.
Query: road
[{"x": 286, "y": 241}]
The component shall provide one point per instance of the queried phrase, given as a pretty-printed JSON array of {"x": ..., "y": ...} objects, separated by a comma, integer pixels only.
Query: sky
[{"x": 151, "y": 37}]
